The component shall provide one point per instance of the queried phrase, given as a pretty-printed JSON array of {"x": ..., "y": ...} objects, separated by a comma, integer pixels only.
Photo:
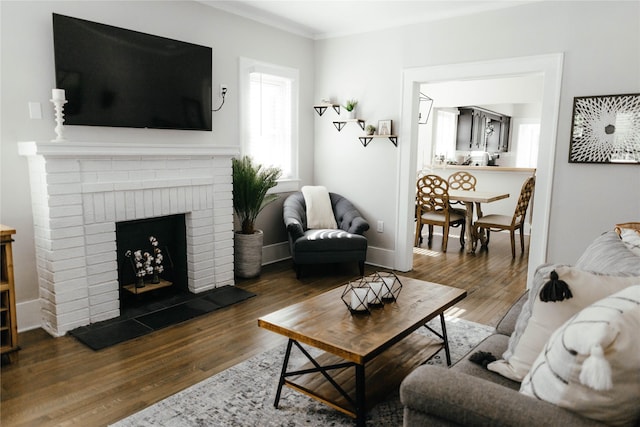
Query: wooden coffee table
[{"x": 379, "y": 346}]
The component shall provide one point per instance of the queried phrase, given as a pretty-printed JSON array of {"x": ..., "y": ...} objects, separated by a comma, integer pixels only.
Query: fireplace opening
[{"x": 152, "y": 261}]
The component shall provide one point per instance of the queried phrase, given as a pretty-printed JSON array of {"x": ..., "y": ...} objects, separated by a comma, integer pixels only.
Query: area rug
[
  {"x": 158, "y": 314},
  {"x": 243, "y": 394}
]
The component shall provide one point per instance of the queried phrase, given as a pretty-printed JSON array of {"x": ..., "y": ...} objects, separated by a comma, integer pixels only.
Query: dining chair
[
  {"x": 433, "y": 209},
  {"x": 465, "y": 181},
  {"x": 494, "y": 222}
]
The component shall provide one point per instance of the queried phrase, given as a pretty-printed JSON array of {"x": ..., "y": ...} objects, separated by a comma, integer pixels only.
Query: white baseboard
[
  {"x": 375, "y": 256},
  {"x": 276, "y": 252},
  {"x": 380, "y": 257},
  {"x": 28, "y": 315}
]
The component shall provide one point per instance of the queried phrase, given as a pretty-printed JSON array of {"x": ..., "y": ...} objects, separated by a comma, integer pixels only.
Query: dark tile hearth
[
  {"x": 141, "y": 317},
  {"x": 178, "y": 313},
  {"x": 103, "y": 336}
]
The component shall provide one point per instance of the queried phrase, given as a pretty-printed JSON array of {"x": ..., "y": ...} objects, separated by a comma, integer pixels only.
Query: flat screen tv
[{"x": 122, "y": 78}]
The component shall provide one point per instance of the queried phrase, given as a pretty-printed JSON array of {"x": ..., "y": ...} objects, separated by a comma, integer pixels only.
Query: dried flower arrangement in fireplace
[{"x": 147, "y": 263}]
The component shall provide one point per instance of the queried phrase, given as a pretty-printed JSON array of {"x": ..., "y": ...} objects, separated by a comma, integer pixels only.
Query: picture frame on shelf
[
  {"x": 384, "y": 127},
  {"x": 605, "y": 129}
]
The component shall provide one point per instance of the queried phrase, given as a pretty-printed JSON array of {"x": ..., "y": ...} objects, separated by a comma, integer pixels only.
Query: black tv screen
[{"x": 123, "y": 78}]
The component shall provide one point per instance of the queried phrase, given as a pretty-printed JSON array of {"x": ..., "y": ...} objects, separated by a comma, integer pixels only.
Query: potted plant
[
  {"x": 350, "y": 107},
  {"x": 371, "y": 129},
  {"x": 250, "y": 185}
]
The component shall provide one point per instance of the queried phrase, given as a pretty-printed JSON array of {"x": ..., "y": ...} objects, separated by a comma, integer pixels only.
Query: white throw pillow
[
  {"x": 546, "y": 317},
  {"x": 540, "y": 277},
  {"x": 591, "y": 365},
  {"x": 319, "y": 211},
  {"x": 631, "y": 239}
]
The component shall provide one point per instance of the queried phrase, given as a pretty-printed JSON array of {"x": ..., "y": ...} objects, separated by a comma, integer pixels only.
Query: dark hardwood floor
[{"x": 60, "y": 382}]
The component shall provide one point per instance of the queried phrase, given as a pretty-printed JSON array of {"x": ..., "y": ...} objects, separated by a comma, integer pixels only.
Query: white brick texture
[{"x": 78, "y": 198}]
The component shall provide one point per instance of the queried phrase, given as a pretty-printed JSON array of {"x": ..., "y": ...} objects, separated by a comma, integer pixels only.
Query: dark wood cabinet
[
  {"x": 464, "y": 136},
  {"x": 482, "y": 130}
]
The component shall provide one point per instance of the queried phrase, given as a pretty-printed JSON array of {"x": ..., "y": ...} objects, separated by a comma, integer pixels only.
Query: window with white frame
[
  {"x": 269, "y": 117},
  {"x": 527, "y": 139},
  {"x": 446, "y": 124}
]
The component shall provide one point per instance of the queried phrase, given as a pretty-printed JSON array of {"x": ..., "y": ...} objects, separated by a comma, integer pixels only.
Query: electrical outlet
[
  {"x": 223, "y": 90},
  {"x": 35, "y": 110},
  {"x": 380, "y": 227}
]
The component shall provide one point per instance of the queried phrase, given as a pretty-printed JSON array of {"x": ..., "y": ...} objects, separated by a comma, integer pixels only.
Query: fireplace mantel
[
  {"x": 80, "y": 190},
  {"x": 121, "y": 149}
]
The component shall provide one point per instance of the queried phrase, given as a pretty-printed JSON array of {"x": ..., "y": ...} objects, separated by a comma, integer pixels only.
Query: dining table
[{"x": 469, "y": 198}]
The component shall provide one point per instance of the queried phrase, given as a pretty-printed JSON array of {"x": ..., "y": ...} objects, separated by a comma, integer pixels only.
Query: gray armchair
[{"x": 320, "y": 246}]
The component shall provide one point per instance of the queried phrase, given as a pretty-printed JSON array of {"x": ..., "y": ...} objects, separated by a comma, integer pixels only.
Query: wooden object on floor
[
  {"x": 8, "y": 323},
  {"x": 433, "y": 209},
  {"x": 373, "y": 342},
  {"x": 60, "y": 381},
  {"x": 147, "y": 287},
  {"x": 461, "y": 180},
  {"x": 469, "y": 198},
  {"x": 495, "y": 222}
]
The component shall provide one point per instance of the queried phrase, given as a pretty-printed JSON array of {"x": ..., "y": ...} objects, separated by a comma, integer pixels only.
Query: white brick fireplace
[{"x": 80, "y": 190}]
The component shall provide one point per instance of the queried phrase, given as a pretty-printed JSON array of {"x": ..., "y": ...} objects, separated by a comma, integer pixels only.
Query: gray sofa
[
  {"x": 468, "y": 394},
  {"x": 307, "y": 246}
]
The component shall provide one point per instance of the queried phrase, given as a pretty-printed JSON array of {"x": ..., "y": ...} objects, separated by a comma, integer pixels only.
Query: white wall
[
  {"x": 369, "y": 67},
  {"x": 602, "y": 56},
  {"x": 28, "y": 76}
]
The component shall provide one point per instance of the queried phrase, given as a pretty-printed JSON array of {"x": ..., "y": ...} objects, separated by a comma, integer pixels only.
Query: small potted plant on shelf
[
  {"x": 250, "y": 185},
  {"x": 370, "y": 129},
  {"x": 350, "y": 107}
]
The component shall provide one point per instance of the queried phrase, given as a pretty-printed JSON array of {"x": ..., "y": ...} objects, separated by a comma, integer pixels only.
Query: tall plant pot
[{"x": 247, "y": 251}]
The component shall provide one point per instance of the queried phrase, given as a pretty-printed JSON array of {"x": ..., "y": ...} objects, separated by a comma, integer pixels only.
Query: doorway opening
[{"x": 550, "y": 67}]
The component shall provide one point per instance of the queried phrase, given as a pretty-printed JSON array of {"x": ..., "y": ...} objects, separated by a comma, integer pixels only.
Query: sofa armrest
[
  {"x": 294, "y": 215},
  {"x": 507, "y": 324},
  {"x": 358, "y": 225},
  {"x": 294, "y": 228},
  {"x": 347, "y": 215},
  {"x": 444, "y": 394}
]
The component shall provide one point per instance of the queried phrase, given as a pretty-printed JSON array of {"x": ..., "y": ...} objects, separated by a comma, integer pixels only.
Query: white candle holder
[
  {"x": 356, "y": 298},
  {"x": 392, "y": 285},
  {"x": 377, "y": 289},
  {"x": 59, "y": 107}
]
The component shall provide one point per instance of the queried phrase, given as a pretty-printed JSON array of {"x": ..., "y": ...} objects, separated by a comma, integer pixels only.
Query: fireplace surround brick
[{"x": 80, "y": 190}]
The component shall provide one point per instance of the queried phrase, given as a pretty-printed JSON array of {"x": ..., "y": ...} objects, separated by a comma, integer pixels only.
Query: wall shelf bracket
[
  {"x": 339, "y": 124},
  {"x": 365, "y": 140},
  {"x": 321, "y": 108}
]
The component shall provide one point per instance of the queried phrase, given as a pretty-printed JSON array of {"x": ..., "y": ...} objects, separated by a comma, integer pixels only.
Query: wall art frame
[
  {"x": 605, "y": 129},
  {"x": 384, "y": 127}
]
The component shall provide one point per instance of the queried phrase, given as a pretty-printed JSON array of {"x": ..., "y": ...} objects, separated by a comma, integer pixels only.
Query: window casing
[
  {"x": 269, "y": 118},
  {"x": 446, "y": 128}
]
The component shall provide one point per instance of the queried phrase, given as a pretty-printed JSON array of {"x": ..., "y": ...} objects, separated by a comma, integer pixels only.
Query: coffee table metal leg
[
  {"x": 283, "y": 372},
  {"x": 443, "y": 336},
  {"x": 361, "y": 409},
  {"x": 445, "y": 339}
]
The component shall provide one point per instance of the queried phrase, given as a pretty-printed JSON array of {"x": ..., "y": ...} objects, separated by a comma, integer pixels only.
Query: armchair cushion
[{"x": 329, "y": 240}]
